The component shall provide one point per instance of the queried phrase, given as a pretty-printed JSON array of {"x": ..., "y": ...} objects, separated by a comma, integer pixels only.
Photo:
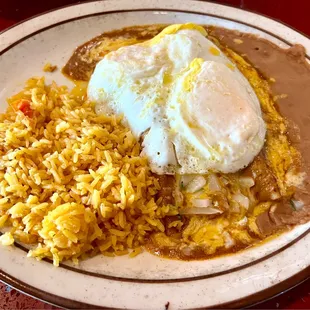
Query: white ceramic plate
[{"x": 146, "y": 282}]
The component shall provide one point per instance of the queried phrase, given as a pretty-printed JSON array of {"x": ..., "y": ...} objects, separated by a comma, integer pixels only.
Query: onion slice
[
  {"x": 206, "y": 211},
  {"x": 185, "y": 179},
  {"x": 202, "y": 203},
  {"x": 201, "y": 206},
  {"x": 247, "y": 181},
  {"x": 243, "y": 221},
  {"x": 196, "y": 184},
  {"x": 297, "y": 204},
  {"x": 229, "y": 241},
  {"x": 275, "y": 195},
  {"x": 242, "y": 200},
  {"x": 214, "y": 184}
]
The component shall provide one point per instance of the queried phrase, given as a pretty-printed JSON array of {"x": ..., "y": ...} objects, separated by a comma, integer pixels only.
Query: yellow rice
[{"x": 71, "y": 182}]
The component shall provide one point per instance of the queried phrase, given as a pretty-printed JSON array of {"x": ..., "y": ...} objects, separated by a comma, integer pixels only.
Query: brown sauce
[
  {"x": 288, "y": 74},
  {"x": 197, "y": 253},
  {"x": 82, "y": 63}
]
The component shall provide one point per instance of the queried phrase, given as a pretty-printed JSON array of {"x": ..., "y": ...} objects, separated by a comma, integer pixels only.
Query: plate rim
[
  {"x": 256, "y": 298},
  {"x": 213, "y": 2},
  {"x": 177, "y": 280}
]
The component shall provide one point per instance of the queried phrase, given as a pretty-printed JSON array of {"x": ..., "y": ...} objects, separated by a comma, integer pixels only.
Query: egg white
[{"x": 196, "y": 110}]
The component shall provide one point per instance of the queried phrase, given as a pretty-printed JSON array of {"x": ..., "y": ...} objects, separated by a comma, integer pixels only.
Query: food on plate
[
  {"x": 178, "y": 88},
  {"x": 72, "y": 180},
  {"x": 48, "y": 67},
  {"x": 171, "y": 141}
]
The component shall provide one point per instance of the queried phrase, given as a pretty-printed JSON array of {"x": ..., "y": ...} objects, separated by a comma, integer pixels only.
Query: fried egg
[{"x": 194, "y": 108}]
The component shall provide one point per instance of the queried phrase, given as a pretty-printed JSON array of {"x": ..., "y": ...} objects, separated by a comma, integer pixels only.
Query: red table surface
[{"x": 294, "y": 13}]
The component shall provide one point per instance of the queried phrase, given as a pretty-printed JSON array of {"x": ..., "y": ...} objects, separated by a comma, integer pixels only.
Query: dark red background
[{"x": 295, "y": 13}]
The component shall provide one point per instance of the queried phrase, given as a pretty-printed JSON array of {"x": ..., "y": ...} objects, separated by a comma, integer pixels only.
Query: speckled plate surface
[{"x": 145, "y": 282}]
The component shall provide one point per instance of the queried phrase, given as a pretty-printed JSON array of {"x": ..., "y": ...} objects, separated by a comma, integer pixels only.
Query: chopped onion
[
  {"x": 196, "y": 184},
  {"x": 214, "y": 184},
  {"x": 247, "y": 181},
  {"x": 242, "y": 200},
  {"x": 297, "y": 203},
  {"x": 205, "y": 210},
  {"x": 186, "y": 178},
  {"x": 229, "y": 241},
  {"x": 275, "y": 196},
  {"x": 202, "y": 203},
  {"x": 243, "y": 221}
]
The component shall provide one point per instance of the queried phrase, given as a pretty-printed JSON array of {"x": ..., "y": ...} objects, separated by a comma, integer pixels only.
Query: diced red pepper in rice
[{"x": 24, "y": 106}]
